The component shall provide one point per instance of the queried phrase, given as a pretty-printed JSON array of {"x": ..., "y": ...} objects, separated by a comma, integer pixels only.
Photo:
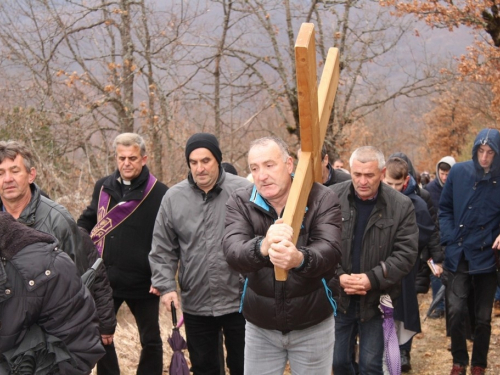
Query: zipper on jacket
[
  {"x": 329, "y": 295},
  {"x": 243, "y": 295}
]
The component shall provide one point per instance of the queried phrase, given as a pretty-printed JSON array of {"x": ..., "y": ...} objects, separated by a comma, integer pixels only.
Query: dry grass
[{"x": 429, "y": 352}]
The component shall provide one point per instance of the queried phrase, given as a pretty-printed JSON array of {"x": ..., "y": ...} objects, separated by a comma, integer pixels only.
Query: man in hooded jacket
[
  {"x": 435, "y": 188},
  {"x": 45, "y": 311},
  {"x": 469, "y": 218}
]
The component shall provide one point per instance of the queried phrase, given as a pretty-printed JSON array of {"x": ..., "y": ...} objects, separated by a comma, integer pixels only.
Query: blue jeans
[
  {"x": 371, "y": 342},
  {"x": 309, "y": 350},
  {"x": 497, "y": 294},
  {"x": 458, "y": 286},
  {"x": 436, "y": 285}
]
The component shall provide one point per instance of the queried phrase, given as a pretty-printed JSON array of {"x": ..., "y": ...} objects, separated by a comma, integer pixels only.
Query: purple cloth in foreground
[
  {"x": 391, "y": 344},
  {"x": 178, "y": 364}
]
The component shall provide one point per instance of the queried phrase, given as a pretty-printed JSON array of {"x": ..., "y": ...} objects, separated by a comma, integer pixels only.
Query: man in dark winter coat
[
  {"x": 435, "y": 188},
  {"x": 120, "y": 219},
  {"x": 39, "y": 286},
  {"x": 379, "y": 247},
  {"x": 469, "y": 219},
  {"x": 23, "y": 199},
  {"x": 433, "y": 249},
  {"x": 293, "y": 319},
  {"x": 406, "y": 310},
  {"x": 329, "y": 174},
  {"x": 210, "y": 290}
]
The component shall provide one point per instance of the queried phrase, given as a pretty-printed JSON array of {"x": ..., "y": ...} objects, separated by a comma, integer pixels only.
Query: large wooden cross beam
[{"x": 315, "y": 107}]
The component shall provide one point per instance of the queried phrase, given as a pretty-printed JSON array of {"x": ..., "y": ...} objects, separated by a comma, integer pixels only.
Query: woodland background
[{"x": 419, "y": 77}]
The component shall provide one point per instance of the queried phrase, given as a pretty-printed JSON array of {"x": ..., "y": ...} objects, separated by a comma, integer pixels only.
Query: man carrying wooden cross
[{"x": 293, "y": 319}]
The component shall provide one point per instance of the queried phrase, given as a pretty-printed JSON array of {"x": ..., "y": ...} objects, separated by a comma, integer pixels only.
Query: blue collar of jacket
[
  {"x": 260, "y": 201},
  {"x": 411, "y": 188}
]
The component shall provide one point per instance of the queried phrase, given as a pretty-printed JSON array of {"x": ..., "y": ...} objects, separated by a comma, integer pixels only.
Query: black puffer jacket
[
  {"x": 39, "y": 285},
  {"x": 127, "y": 247},
  {"x": 301, "y": 301},
  {"x": 391, "y": 236},
  {"x": 47, "y": 216}
]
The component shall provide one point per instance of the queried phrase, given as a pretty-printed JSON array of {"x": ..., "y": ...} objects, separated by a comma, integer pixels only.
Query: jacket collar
[
  {"x": 262, "y": 204},
  {"x": 380, "y": 195},
  {"x": 113, "y": 185},
  {"x": 411, "y": 188},
  {"x": 216, "y": 189}
]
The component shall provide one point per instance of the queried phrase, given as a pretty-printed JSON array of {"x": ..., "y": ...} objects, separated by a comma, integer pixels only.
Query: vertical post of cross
[{"x": 315, "y": 106}]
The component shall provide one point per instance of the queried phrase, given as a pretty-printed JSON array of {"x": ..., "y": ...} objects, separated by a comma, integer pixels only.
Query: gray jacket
[
  {"x": 188, "y": 237},
  {"x": 391, "y": 237}
]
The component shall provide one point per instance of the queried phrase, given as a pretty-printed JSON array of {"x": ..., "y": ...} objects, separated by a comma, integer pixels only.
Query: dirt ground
[{"x": 429, "y": 355}]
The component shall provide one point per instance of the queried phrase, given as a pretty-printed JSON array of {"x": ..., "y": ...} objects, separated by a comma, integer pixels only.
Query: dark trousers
[
  {"x": 458, "y": 287},
  {"x": 146, "y": 314},
  {"x": 202, "y": 334}
]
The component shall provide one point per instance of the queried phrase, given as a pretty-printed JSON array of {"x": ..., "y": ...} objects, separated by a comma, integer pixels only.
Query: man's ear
[
  {"x": 407, "y": 180},
  {"x": 382, "y": 174},
  {"x": 31, "y": 175},
  {"x": 289, "y": 165}
]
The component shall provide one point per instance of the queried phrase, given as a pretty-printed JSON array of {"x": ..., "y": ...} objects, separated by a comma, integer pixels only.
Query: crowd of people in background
[{"x": 374, "y": 229}]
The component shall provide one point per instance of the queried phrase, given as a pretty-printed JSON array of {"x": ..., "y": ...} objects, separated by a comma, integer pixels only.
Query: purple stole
[{"x": 109, "y": 220}]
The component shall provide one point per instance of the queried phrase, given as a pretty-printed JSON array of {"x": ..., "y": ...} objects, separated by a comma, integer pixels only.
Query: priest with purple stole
[{"x": 120, "y": 220}]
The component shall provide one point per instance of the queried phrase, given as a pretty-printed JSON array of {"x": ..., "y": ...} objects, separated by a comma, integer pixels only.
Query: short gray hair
[
  {"x": 10, "y": 150},
  {"x": 366, "y": 154},
  {"x": 130, "y": 139},
  {"x": 264, "y": 141}
]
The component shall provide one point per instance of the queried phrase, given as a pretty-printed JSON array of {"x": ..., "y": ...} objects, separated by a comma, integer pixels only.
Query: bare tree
[{"x": 168, "y": 69}]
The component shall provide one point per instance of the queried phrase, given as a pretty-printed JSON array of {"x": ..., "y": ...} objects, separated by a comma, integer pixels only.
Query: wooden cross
[{"x": 315, "y": 106}]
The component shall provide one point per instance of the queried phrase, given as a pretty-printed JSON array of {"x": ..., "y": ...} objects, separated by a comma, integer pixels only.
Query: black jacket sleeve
[
  {"x": 101, "y": 290},
  {"x": 68, "y": 313},
  {"x": 88, "y": 218}
]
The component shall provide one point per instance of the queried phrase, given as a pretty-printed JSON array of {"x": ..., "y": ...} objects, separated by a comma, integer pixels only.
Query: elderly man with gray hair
[
  {"x": 288, "y": 320},
  {"x": 120, "y": 220},
  {"x": 379, "y": 247}
]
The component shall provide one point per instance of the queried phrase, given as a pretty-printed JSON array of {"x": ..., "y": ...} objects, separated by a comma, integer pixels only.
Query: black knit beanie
[{"x": 204, "y": 140}]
